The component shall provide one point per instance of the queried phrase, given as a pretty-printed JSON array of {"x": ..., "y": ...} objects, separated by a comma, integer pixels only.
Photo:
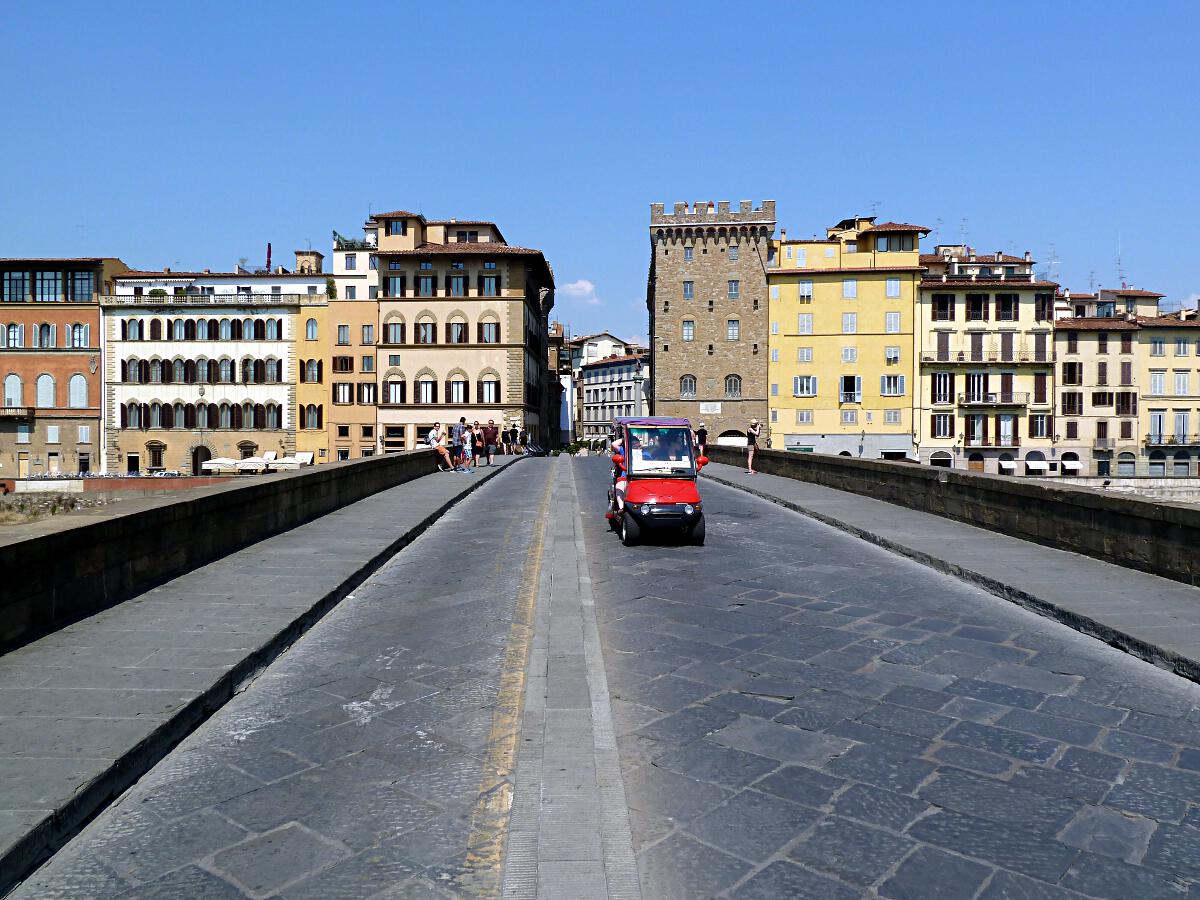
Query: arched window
[
  {"x": 134, "y": 329},
  {"x": 235, "y": 329},
  {"x": 247, "y": 371},
  {"x": 226, "y": 373},
  {"x": 1158, "y": 463},
  {"x": 179, "y": 372},
  {"x": 133, "y": 416},
  {"x": 426, "y": 389},
  {"x": 45, "y": 392},
  {"x": 687, "y": 387},
  {"x": 200, "y": 412},
  {"x": 179, "y": 414},
  {"x": 155, "y": 416},
  {"x": 180, "y": 330},
  {"x": 272, "y": 329},
  {"x": 79, "y": 336},
  {"x": 426, "y": 330},
  {"x": 16, "y": 336},
  {"x": 733, "y": 387},
  {"x": 155, "y": 330},
  {"x": 456, "y": 389},
  {"x": 314, "y": 374},
  {"x": 226, "y": 330},
  {"x": 942, "y": 459},
  {"x": 45, "y": 336},
  {"x": 77, "y": 392},
  {"x": 214, "y": 416},
  {"x": 273, "y": 415},
  {"x": 189, "y": 330},
  {"x": 14, "y": 392},
  {"x": 260, "y": 330},
  {"x": 202, "y": 330},
  {"x": 488, "y": 329},
  {"x": 310, "y": 330},
  {"x": 489, "y": 389},
  {"x": 247, "y": 415},
  {"x": 395, "y": 389},
  {"x": 260, "y": 415},
  {"x": 1181, "y": 464},
  {"x": 272, "y": 371},
  {"x": 456, "y": 330},
  {"x": 393, "y": 331},
  {"x": 248, "y": 332},
  {"x": 226, "y": 417}
]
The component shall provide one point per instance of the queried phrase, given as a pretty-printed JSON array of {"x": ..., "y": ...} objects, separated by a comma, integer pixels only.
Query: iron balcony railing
[
  {"x": 1104, "y": 443},
  {"x": 993, "y": 398},
  {"x": 994, "y": 442},
  {"x": 1172, "y": 440},
  {"x": 265, "y": 299},
  {"x": 988, "y": 356},
  {"x": 16, "y": 412}
]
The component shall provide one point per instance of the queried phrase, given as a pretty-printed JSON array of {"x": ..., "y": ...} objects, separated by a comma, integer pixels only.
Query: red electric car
[{"x": 654, "y": 480}]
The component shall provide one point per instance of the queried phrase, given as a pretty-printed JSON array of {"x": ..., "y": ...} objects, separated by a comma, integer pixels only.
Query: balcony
[
  {"x": 265, "y": 299},
  {"x": 1173, "y": 440},
  {"x": 1104, "y": 443},
  {"x": 1035, "y": 357},
  {"x": 345, "y": 243},
  {"x": 997, "y": 398},
  {"x": 16, "y": 412},
  {"x": 1001, "y": 443}
]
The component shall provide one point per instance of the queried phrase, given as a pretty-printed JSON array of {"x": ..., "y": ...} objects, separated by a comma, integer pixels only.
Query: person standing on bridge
[
  {"x": 491, "y": 437},
  {"x": 752, "y": 434},
  {"x": 437, "y": 440},
  {"x": 702, "y": 440},
  {"x": 457, "y": 432}
]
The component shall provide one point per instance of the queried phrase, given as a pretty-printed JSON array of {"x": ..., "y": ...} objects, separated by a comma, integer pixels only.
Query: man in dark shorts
[
  {"x": 491, "y": 437},
  {"x": 702, "y": 440}
]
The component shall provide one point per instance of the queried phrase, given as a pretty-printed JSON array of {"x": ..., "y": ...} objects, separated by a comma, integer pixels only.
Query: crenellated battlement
[{"x": 706, "y": 212}]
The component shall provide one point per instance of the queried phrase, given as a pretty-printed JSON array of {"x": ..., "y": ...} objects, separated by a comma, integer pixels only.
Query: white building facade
[{"x": 617, "y": 386}]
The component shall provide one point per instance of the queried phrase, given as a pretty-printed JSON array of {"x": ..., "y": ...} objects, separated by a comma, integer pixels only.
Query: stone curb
[
  {"x": 49, "y": 836},
  {"x": 1160, "y": 657}
]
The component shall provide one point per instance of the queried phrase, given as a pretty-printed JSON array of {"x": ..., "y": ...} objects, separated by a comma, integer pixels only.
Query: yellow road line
[{"x": 489, "y": 818}]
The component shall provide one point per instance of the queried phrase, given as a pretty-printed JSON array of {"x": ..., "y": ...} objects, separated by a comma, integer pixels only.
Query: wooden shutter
[
  {"x": 449, "y": 394},
  {"x": 479, "y": 284},
  {"x": 986, "y": 385},
  {"x": 144, "y": 413},
  {"x": 1126, "y": 372},
  {"x": 479, "y": 332},
  {"x": 466, "y": 391},
  {"x": 124, "y": 330},
  {"x": 953, "y": 398},
  {"x": 996, "y": 430},
  {"x": 434, "y": 399},
  {"x": 479, "y": 391},
  {"x": 449, "y": 336},
  {"x": 1039, "y": 387},
  {"x": 933, "y": 425},
  {"x": 168, "y": 416},
  {"x": 124, "y": 371},
  {"x": 124, "y": 416}
]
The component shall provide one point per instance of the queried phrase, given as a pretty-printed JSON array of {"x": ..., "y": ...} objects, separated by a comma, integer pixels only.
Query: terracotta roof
[
  {"x": 173, "y": 275},
  {"x": 588, "y": 337},
  {"x": 54, "y": 259},
  {"x": 465, "y": 249},
  {"x": 837, "y": 271},
  {"x": 895, "y": 226},
  {"x": 1131, "y": 292},
  {"x": 962, "y": 284},
  {"x": 1167, "y": 322},
  {"x": 980, "y": 259},
  {"x": 1095, "y": 323},
  {"x": 1080, "y": 297},
  {"x": 460, "y": 222},
  {"x": 396, "y": 214},
  {"x": 615, "y": 359}
]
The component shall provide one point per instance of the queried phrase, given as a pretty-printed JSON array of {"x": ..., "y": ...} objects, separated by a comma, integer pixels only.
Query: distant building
[
  {"x": 561, "y": 385},
  {"x": 612, "y": 387},
  {"x": 200, "y": 365},
  {"x": 586, "y": 349},
  {"x": 51, "y": 359},
  {"x": 706, "y": 295}
]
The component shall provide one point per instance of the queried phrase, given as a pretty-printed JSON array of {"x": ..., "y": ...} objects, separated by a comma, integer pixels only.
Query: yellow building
[
  {"x": 842, "y": 366},
  {"x": 986, "y": 345},
  {"x": 314, "y": 343}
]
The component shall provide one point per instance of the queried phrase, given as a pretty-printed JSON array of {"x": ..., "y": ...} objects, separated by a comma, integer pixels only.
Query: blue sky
[{"x": 181, "y": 135}]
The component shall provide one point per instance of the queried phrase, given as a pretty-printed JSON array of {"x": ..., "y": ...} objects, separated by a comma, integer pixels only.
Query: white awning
[
  {"x": 1038, "y": 465},
  {"x": 1007, "y": 464},
  {"x": 1073, "y": 464}
]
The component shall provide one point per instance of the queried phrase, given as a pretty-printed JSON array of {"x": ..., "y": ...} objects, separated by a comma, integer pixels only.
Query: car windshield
[{"x": 660, "y": 451}]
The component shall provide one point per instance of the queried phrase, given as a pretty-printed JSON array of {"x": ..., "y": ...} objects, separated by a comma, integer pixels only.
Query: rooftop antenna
[
  {"x": 874, "y": 204},
  {"x": 1092, "y": 281},
  {"x": 1052, "y": 264},
  {"x": 937, "y": 230},
  {"x": 962, "y": 231},
  {"x": 1120, "y": 266}
]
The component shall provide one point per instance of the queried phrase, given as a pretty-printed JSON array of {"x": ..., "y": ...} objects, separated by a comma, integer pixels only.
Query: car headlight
[{"x": 688, "y": 509}]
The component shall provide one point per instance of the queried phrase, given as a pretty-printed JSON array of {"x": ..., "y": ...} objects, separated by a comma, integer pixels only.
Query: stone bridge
[{"x": 385, "y": 683}]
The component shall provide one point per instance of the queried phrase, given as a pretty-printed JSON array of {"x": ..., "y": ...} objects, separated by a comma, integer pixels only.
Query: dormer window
[
  {"x": 893, "y": 243},
  {"x": 397, "y": 227},
  {"x": 489, "y": 264},
  {"x": 426, "y": 265}
]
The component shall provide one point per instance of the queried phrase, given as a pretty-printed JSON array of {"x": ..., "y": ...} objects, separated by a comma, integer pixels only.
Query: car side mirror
[{"x": 701, "y": 463}]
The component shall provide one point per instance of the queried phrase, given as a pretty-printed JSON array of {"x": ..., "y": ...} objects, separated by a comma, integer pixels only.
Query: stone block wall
[
  {"x": 57, "y": 571},
  {"x": 1152, "y": 536}
]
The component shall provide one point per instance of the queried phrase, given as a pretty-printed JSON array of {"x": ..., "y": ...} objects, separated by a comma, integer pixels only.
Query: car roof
[{"x": 651, "y": 420}]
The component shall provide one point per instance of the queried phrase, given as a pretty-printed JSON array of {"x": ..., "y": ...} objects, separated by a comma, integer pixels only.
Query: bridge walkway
[{"x": 795, "y": 712}]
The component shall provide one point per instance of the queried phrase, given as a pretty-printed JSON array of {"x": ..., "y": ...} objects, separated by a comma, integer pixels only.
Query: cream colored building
[
  {"x": 842, "y": 367},
  {"x": 986, "y": 344},
  {"x": 462, "y": 320}
]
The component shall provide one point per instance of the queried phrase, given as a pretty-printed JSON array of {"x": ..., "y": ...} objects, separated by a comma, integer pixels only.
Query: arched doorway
[
  {"x": 941, "y": 459},
  {"x": 845, "y": 453},
  {"x": 200, "y": 455},
  {"x": 1158, "y": 463},
  {"x": 1007, "y": 465},
  {"x": 1071, "y": 464},
  {"x": 1126, "y": 465},
  {"x": 731, "y": 439},
  {"x": 975, "y": 462},
  {"x": 1181, "y": 465},
  {"x": 1035, "y": 463}
]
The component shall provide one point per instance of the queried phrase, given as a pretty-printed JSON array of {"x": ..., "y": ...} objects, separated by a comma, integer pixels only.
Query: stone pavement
[
  {"x": 796, "y": 713},
  {"x": 1152, "y": 617},
  {"x": 85, "y": 711},
  {"x": 803, "y": 714}
]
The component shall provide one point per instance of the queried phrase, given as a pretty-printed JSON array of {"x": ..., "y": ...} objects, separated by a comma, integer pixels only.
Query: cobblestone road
[
  {"x": 802, "y": 714},
  {"x": 798, "y": 714}
]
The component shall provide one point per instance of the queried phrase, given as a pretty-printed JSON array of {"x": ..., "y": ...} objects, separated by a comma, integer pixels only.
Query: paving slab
[
  {"x": 84, "y": 712},
  {"x": 1151, "y": 617}
]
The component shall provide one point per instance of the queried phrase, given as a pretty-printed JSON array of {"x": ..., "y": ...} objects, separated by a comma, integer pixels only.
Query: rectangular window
[
  {"x": 849, "y": 416},
  {"x": 805, "y": 289},
  {"x": 733, "y": 329},
  {"x": 689, "y": 290},
  {"x": 1181, "y": 346},
  {"x": 373, "y": 262},
  {"x": 1102, "y": 398},
  {"x": 849, "y": 323},
  {"x": 687, "y": 254},
  {"x": 891, "y": 355},
  {"x": 943, "y": 425},
  {"x": 397, "y": 227},
  {"x": 343, "y": 334},
  {"x": 774, "y": 328},
  {"x": 343, "y": 392},
  {"x": 425, "y": 285},
  {"x": 368, "y": 364},
  {"x": 368, "y": 334},
  {"x": 891, "y": 417},
  {"x": 774, "y": 293},
  {"x": 16, "y": 287},
  {"x": 850, "y": 390},
  {"x": 52, "y": 434},
  {"x": 1181, "y": 384},
  {"x": 1039, "y": 425},
  {"x": 804, "y": 354},
  {"x": 458, "y": 285},
  {"x": 393, "y": 285},
  {"x": 351, "y": 262},
  {"x": 804, "y": 386},
  {"x": 489, "y": 332},
  {"x": 1126, "y": 373},
  {"x": 85, "y": 434},
  {"x": 1127, "y": 403},
  {"x": 1007, "y": 308},
  {"x": 343, "y": 364},
  {"x": 1126, "y": 342},
  {"x": 1158, "y": 347},
  {"x": 1072, "y": 373},
  {"x": 891, "y": 385},
  {"x": 1101, "y": 372},
  {"x": 81, "y": 287},
  {"x": 395, "y": 265},
  {"x": 734, "y": 288},
  {"x": 804, "y": 323},
  {"x": 804, "y": 416},
  {"x": 1102, "y": 342},
  {"x": 943, "y": 387},
  {"x": 774, "y": 390},
  {"x": 1072, "y": 403},
  {"x": 47, "y": 286},
  {"x": 894, "y": 243},
  {"x": 393, "y": 333},
  {"x": 366, "y": 393},
  {"x": 893, "y": 287},
  {"x": 850, "y": 288},
  {"x": 689, "y": 330},
  {"x": 1158, "y": 383},
  {"x": 849, "y": 354},
  {"x": 774, "y": 354},
  {"x": 892, "y": 323},
  {"x": 977, "y": 307},
  {"x": 943, "y": 307},
  {"x": 394, "y": 358},
  {"x": 351, "y": 292},
  {"x": 733, "y": 252}
]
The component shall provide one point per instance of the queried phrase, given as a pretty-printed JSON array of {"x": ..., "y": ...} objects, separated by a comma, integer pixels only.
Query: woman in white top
[{"x": 437, "y": 440}]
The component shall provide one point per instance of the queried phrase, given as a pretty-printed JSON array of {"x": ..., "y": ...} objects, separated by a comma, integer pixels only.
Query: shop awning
[
  {"x": 1073, "y": 465},
  {"x": 1007, "y": 464},
  {"x": 1038, "y": 465}
]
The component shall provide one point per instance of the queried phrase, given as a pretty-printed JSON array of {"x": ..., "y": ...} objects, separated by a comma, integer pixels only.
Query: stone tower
[{"x": 707, "y": 299}]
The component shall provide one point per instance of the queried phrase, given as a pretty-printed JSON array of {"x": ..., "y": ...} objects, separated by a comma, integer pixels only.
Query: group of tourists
[{"x": 467, "y": 445}]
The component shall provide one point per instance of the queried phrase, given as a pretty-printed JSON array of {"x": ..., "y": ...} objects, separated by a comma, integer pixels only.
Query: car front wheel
[{"x": 631, "y": 532}]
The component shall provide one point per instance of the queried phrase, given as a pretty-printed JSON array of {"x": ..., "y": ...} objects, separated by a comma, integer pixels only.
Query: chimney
[
  {"x": 1028, "y": 257},
  {"x": 208, "y": 271},
  {"x": 166, "y": 270},
  {"x": 783, "y": 234},
  {"x": 971, "y": 258},
  {"x": 999, "y": 256}
]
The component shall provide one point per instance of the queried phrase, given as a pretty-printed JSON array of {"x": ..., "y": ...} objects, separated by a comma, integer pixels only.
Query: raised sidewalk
[
  {"x": 84, "y": 712},
  {"x": 1151, "y": 617}
]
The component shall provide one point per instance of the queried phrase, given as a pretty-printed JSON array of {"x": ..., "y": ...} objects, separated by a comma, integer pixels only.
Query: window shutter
[
  {"x": 857, "y": 388},
  {"x": 467, "y": 391},
  {"x": 124, "y": 371},
  {"x": 933, "y": 425},
  {"x": 124, "y": 416},
  {"x": 997, "y": 430},
  {"x": 124, "y": 330},
  {"x": 1016, "y": 307},
  {"x": 168, "y": 416},
  {"x": 986, "y": 384},
  {"x": 901, "y": 379},
  {"x": 882, "y": 385},
  {"x": 449, "y": 336},
  {"x": 449, "y": 393},
  {"x": 479, "y": 391},
  {"x": 479, "y": 284},
  {"x": 20, "y": 335},
  {"x": 433, "y": 386},
  {"x": 813, "y": 385},
  {"x": 144, "y": 412},
  {"x": 479, "y": 332}
]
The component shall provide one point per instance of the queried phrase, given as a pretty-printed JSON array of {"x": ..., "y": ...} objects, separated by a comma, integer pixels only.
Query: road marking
[{"x": 489, "y": 818}]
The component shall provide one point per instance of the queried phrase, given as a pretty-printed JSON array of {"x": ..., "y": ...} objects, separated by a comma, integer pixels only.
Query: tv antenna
[
  {"x": 1052, "y": 264},
  {"x": 1120, "y": 266}
]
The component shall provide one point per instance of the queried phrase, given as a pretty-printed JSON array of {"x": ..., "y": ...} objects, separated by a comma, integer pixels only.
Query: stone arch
[
  {"x": 394, "y": 372},
  {"x": 393, "y": 316},
  {"x": 489, "y": 372},
  {"x": 425, "y": 372}
]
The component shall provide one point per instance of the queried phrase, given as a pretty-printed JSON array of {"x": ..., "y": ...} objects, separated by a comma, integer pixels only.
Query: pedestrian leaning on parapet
[
  {"x": 752, "y": 434},
  {"x": 491, "y": 436},
  {"x": 437, "y": 440}
]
